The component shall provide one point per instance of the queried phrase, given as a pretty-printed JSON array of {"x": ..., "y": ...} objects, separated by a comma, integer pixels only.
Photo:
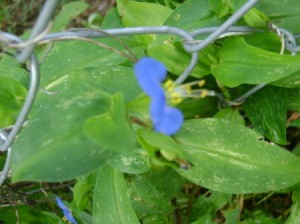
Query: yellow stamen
[
  {"x": 201, "y": 83},
  {"x": 169, "y": 84},
  {"x": 175, "y": 98},
  {"x": 203, "y": 93}
]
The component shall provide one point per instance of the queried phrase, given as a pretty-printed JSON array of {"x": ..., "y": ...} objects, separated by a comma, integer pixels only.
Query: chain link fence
[{"x": 24, "y": 52}]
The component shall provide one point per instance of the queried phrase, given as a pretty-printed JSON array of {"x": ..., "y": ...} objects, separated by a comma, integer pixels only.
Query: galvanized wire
[{"x": 24, "y": 52}]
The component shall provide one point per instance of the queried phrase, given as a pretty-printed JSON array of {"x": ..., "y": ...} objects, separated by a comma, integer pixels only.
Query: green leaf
[
  {"x": 142, "y": 14},
  {"x": 255, "y": 18},
  {"x": 9, "y": 67},
  {"x": 162, "y": 142},
  {"x": 207, "y": 205},
  {"x": 111, "y": 129},
  {"x": 268, "y": 41},
  {"x": 267, "y": 111},
  {"x": 291, "y": 81},
  {"x": 111, "y": 202},
  {"x": 190, "y": 15},
  {"x": 80, "y": 190},
  {"x": 295, "y": 210},
  {"x": 136, "y": 163},
  {"x": 231, "y": 114},
  {"x": 12, "y": 95},
  {"x": 294, "y": 99},
  {"x": 230, "y": 158},
  {"x": 6, "y": 119},
  {"x": 151, "y": 192},
  {"x": 283, "y": 15},
  {"x": 222, "y": 8},
  {"x": 295, "y": 123},
  {"x": 232, "y": 215},
  {"x": 54, "y": 71},
  {"x": 68, "y": 12},
  {"x": 27, "y": 214},
  {"x": 52, "y": 145},
  {"x": 261, "y": 217},
  {"x": 241, "y": 63},
  {"x": 110, "y": 79}
]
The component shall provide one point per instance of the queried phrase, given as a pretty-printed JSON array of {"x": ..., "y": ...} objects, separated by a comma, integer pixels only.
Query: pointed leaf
[
  {"x": 52, "y": 146},
  {"x": 111, "y": 130},
  {"x": 190, "y": 15},
  {"x": 231, "y": 158},
  {"x": 241, "y": 63},
  {"x": 134, "y": 164},
  {"x": 267, "y": 111},
  {"x": 139, "y": 14},
  {"x": 111, "y": 202},
  {"x": 12, "y": 95}
]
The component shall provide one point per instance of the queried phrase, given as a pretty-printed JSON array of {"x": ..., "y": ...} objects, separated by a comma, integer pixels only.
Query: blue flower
[
  {"x": 150, "y": 73},
  {"x": 68, "y": 215}
]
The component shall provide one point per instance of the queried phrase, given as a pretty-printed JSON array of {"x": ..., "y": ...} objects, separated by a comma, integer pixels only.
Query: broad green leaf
[
  {"x": 190, "y": 15},
  {"x": 241, "y": 63},
  {"x": 52, "y": 146},
  {"x": 111, "y": 202},
  {"x": 111, "y": 79},
  {"x": 164, "y": 143},
  {"x": 78, "y": 55},
  {"x": 294, "y": 99},
  {"x": 232, "y": 215},
  {"x": 231, "y": 158},
  {"x": 203, "y": 107},
  {"x": 12, "y": 98},
  {"x": 291, "y": 81},
  {"x": 134, "y": 164},
  {"x": 231, "y": 114},
  {"x": 222, "y": 8},
  {"x": 142, "y": 14},
  {"x": 6, "y": 119},
  {"x": 267, "y": 110},
  {"x": 207, "y": 205},
  {"x": 9, "y": 67},
  {"x": 283, "y": 15},
  {"x": 295, "y": 209},
  {"x": 151, "y": 192},
  {"x": 68, "y": 12},
  {"x": 111, "y": 129},
  {"x": 268, "y": 41},
  {"x": 12, "y": 95},
  {"x": 80, "y": 191},
  {"x": 112, "y": 20}
]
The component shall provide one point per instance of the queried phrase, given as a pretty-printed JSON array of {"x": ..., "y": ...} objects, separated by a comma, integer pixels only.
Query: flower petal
[
  {"x": 66, "y": 211},
  {"x": 157, "y": 106},
  {"x": 170, "y": 122},
  {"x": 150, "y": 73}
]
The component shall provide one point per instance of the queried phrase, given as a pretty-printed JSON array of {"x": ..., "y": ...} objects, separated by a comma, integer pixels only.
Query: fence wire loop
[{"x": 190, "y": 40}]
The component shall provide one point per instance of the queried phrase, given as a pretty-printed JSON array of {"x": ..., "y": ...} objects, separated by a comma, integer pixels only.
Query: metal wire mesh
[{"x": 25, "y": 48}]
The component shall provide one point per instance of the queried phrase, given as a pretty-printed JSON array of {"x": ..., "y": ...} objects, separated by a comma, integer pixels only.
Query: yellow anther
[
  {"x": 169, "y": 84},
  {"x": 175, "y": 98},
  {"x": 201, "y": 83},
  {"x": 203, "y": 93},
  {"x": 188, "y": 89}
]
